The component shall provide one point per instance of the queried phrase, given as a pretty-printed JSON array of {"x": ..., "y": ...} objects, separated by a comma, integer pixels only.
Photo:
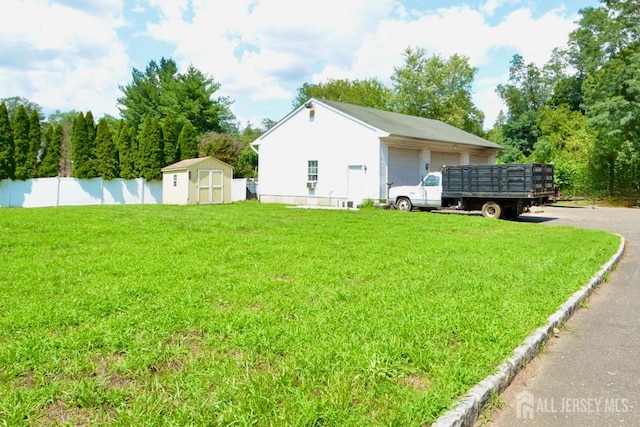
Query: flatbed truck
[{"x": 498, "y": 191}]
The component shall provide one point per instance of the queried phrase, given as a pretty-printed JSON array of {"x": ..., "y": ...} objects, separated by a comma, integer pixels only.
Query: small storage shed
[{"x": 203, "y": 180}]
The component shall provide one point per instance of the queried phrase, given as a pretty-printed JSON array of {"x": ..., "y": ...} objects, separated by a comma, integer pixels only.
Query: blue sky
[{"x": 75, "y": 54}]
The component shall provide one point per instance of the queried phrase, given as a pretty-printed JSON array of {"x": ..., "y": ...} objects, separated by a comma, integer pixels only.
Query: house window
[
  {"x": 175, "y": 180},
  {"x": 312, "y": 170},
  {"x": 312, "y": 114}
]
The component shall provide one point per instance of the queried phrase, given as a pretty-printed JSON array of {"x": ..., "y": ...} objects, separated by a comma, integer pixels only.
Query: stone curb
[{"x": 468, "y": 409}]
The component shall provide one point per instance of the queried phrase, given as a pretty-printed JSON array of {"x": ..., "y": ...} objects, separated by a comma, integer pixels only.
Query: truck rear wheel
[
  {"x": 491, "y": 210},
  {"x": 404, "y": 204}
]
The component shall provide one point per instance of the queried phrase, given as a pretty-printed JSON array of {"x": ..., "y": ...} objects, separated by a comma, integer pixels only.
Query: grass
[{"x": 253, "y": 314}]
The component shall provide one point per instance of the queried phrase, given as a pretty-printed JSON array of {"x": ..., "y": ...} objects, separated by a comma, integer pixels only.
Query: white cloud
[
  {"x": 259, "y": 50},
  {"x": 70, "y": 58}
]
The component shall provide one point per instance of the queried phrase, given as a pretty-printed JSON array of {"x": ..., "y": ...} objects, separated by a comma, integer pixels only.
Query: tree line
[
  {"x": 580, "y": 111},
  {"x": 166, "y": 117}
]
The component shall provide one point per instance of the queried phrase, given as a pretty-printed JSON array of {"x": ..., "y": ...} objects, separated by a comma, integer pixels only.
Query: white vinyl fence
[{"x": 41, "y": 192}]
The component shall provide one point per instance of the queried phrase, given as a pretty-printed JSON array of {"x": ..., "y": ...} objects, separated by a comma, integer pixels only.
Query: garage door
[
  {"x": 478, "y": 160},
  {"x": 439, "y": 159},
  {"x": 404, "y": 166}
]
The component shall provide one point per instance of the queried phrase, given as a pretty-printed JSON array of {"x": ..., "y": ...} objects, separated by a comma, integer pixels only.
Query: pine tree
[
  {"x": 188, "y": 142},
  {"x": 126, "y": 157},
  {"x": 82, "y": 153},
  {"x": 7, "y": 159},
  {"x": 106, "y": 152},
  {"x": 133, "y": 152},
  {"x": 35, "y": 144},
  {"x": 50, "y": 163},
  {"x": 150, "y": 153},
  {"x": 171, "y": 149},
  {"x": 21, "y": 141},
  {"x": 91, "y": 127}
]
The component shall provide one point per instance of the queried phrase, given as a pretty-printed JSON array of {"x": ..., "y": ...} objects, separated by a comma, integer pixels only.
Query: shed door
[{"x": 210, "y": 186}]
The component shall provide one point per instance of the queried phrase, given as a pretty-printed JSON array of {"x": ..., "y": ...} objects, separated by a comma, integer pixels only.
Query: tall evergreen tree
[
  {"x": 171, "y": 148},
  {"x": 106, "y": 152},
  {"x": 91, "y": 128},
  {"x": 7, "y": 159},
  {"x": 35, "y": 144},
  {"x": 150, "y": 153},
  {"x": 161, "y": 91},
  {"x": 127, "y": 154},
  {"x": 188, "y": 142},
  {"x": 21, "y": 141},
  {"x": 50, "y": 163},
  {"x": 82, "y": 153}
]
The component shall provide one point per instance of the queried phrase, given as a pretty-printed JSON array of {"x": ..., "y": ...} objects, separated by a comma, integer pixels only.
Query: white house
[{"x": 335, "y": 154}]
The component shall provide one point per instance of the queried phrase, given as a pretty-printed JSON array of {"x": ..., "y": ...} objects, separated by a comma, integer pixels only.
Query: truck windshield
[{"x": 431, "y": 181}]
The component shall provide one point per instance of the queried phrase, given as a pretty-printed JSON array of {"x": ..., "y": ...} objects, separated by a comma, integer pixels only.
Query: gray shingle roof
[{"x": 410, "y": 126}]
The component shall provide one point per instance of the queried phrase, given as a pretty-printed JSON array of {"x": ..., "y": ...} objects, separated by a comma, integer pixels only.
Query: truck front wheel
[
  {"x": 491, "y": 210},
  {"x": 404, "y": 204}
]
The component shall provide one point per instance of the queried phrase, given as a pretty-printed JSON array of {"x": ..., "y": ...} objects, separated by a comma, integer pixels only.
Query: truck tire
[
  {"x": 404, "y": 204},
  {"x": 492, "y": 210}
]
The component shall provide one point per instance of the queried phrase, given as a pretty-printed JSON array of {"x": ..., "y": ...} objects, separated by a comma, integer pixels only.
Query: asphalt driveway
[{"x": 589, "y": 375}]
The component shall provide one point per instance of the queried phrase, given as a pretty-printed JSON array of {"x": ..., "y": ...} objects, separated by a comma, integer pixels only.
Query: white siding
[{"x": 332, "y": 139}]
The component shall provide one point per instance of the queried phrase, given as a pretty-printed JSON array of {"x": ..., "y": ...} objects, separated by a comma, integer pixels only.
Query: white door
[
  {"x": 210, "y": 186},
  {"x": 432, "y": 191},
  {"x": 355, "y": 184}
]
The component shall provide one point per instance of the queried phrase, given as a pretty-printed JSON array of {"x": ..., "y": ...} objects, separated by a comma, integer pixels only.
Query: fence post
[{"x": 58, "y": 192}]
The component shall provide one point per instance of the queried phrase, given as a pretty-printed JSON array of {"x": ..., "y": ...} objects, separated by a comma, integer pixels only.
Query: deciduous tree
[
  {"x": 366, "y": 93},
  {"x": 224, "y": 147},
  {"x": 437, "y": 88}
]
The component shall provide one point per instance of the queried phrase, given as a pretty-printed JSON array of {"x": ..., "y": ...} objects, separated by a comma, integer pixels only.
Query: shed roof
[
  {"x": 403, "y": 125},
  {"x": 187, "y": 163}
]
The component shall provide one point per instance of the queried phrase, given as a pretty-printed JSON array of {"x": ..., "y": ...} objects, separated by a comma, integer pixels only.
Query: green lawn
[{"x": 252, "y": 314}]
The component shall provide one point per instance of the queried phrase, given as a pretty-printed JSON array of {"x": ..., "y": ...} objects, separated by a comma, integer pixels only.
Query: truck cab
[{"x": 425, "y": 195}]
